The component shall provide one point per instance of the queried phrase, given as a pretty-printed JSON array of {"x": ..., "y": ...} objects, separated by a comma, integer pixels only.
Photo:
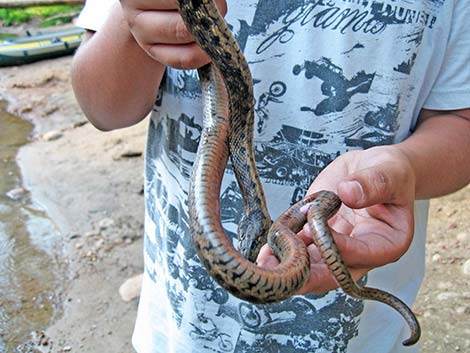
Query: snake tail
[{"x": 329, "y": 251}]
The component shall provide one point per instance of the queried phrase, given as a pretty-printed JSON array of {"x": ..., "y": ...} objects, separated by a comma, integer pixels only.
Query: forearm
[
  {"x": 114, "y": 80},
  {"x": 439, "y": 151}
]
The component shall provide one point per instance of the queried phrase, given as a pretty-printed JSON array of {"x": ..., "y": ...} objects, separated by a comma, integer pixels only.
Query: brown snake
[{"x": 228, "y": 132}]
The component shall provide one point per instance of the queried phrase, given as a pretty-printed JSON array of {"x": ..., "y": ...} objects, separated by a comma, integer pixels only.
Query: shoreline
[
  {"x": 83, "y": 180},
  {"x": 89, "y": 186}
]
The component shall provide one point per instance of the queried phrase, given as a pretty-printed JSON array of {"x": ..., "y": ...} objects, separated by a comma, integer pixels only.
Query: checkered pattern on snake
[{"x": 228, "y": 133}]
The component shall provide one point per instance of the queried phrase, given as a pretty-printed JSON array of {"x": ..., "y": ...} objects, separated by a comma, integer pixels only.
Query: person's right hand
[{"x": 159, "y": 29}]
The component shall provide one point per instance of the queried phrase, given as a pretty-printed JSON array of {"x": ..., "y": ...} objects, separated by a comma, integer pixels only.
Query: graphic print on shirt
[{"x": 316, "y": 105}]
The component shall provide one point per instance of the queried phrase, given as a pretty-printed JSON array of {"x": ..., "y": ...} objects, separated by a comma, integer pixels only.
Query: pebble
[
  {"x": 105, "y": 223},
  {"x": 127, "y": 154},
  {"x": 444, "y": 285},
  {"x": 51, "y": 111},
  {"x": 447, "y": 295},
  {"x": 79, "y": 124},
  {"x": 90, "y": 234},
  {"x": 427, "y": 314},
  {"x": 67, "y": 349},
  {"x": 130, "y": 289},
  {"x": 52, "y": 135},
  {"x": 466, "y": 268},
  {"x": 99, "y": 243},
  {"x": 463, "y": 238},
  {"x": 131, "y": 154},
  {"x": 16, "y": 194},
  {"x": 436, "y": 258},
  {"x": 26, "y": 109},
  {"x": 464, "y": 309}
]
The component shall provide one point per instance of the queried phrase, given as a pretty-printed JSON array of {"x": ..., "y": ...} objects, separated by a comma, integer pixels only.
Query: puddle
[{"x": 31, "y": 275}]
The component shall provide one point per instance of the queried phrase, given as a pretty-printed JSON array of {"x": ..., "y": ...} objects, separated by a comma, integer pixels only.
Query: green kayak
[{"x": 31, "y": 48}]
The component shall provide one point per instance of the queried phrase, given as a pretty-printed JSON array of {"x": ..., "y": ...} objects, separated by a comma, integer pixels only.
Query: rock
[
  {"x": 50, "y": 111},
  {"x": 79, "y": 124},
  {"x": 436, "y": 258},
  {"x": 464, "y": 309},
  {"x": 90, "y": 234},
  {"x": 105, "y": 223},
  {"x": 127, "y": 154},
  {"x": 52, "y": 135},
  {"x": 26, "y": 109},
  {"x": 16, "y": 194},
  {"x": 67, "y": 349},
  {"x": 130, "y": 289},
  {"x": 131, "y": 154},
  {"x": 453, "y": 225},
  {"x": 463, "y": 238},
  {"x": 427, "y": 314},
  {"x": 99, "y": 243},
  {"x": 444, "y": 285},
  {"x": 466, "y": 268},
  {"x": 447, "y": 295}
]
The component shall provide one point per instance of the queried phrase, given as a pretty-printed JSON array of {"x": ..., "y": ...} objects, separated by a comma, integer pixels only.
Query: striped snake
[{"x": 228, "y": 122}]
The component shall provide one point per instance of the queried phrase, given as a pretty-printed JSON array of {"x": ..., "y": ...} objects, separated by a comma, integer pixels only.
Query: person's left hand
[{"x": 375, "y": 224}]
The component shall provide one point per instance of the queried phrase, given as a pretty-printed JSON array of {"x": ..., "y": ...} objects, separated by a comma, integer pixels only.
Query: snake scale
[{"x": 228, "y": 121}]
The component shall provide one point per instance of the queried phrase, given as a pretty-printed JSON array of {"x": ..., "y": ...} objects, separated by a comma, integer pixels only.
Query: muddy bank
[{"x": 90, "y": 183}]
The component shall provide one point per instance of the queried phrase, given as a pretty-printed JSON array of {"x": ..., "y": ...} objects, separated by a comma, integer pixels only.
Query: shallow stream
[{"x": 30, "y": 272}]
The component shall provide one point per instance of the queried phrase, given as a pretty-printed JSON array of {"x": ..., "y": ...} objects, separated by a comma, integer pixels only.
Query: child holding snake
[{"x": 370, "y": 99}]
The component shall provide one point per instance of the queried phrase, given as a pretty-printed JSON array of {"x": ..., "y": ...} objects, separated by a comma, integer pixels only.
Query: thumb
[{"x": 382, "y": 184}]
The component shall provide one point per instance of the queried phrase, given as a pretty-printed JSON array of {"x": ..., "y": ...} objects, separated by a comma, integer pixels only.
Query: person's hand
[
  {"x": 375, "y": 224},
  {"x": 159, "y": 29}
]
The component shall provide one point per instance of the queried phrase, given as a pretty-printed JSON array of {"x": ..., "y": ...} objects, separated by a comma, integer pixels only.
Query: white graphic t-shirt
[{"x": 329, "y": 76}]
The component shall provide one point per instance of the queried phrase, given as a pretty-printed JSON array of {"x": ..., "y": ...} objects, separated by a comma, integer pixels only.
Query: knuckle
[
  {"x": 187, "y": 61},
  {"x": 132, "y": 20},
  {"x": 381, "y": 182},
  {"x": 180, "y": 31}
]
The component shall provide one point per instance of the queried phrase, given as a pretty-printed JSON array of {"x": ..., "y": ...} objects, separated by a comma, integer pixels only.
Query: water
[{"x": 30, "y": 272}]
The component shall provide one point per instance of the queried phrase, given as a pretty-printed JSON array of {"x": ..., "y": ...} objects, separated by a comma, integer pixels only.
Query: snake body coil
[{"x": 228, "y": 133}]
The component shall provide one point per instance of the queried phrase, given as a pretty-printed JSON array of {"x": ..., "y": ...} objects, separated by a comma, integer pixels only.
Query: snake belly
[{"x": 228, "y": 133}]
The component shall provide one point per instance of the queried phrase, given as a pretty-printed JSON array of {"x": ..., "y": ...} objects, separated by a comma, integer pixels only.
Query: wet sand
[
  {"x": 91, "y": 187},
  {"x": 82, "y": 178}
]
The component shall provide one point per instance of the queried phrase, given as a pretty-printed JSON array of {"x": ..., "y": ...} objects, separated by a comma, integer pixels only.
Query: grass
[{"x": 47, "y": 15}]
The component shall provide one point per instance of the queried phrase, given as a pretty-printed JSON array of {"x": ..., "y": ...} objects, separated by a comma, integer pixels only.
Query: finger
[
  {"x": 168, "y": 5},
  {"x": 382, "y": 184},
  {"x": 266, "y": 258},
  {"x": 341, "y": 223},
  {"x": 159, "y": 27},
  {"x": 306, "y": 235},
  {"x": 321, "y": 280},
  {"x": 150, "y": 5},
  {"x": 364, "y": 247},
  {"x": 183, "y": 56}
]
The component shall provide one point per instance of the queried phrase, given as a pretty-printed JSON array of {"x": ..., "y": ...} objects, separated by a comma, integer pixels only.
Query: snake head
[{"x": 252, "y": 234}]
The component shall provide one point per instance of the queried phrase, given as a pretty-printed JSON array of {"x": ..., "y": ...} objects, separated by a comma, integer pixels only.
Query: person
[{"x": 371, "y": 101}]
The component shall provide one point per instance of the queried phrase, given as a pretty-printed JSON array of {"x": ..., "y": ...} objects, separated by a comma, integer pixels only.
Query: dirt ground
[{"x": 90, "y": 184}]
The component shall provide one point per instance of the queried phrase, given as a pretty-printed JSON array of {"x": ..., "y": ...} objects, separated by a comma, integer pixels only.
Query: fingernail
[{"x": 356, "y": 189}]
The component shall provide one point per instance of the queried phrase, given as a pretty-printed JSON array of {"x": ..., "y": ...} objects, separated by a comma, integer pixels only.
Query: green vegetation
[{"x": 47, "y": 15}]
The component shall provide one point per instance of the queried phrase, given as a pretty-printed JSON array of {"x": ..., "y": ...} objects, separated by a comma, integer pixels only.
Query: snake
[{"x": 228, "y": 133}]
